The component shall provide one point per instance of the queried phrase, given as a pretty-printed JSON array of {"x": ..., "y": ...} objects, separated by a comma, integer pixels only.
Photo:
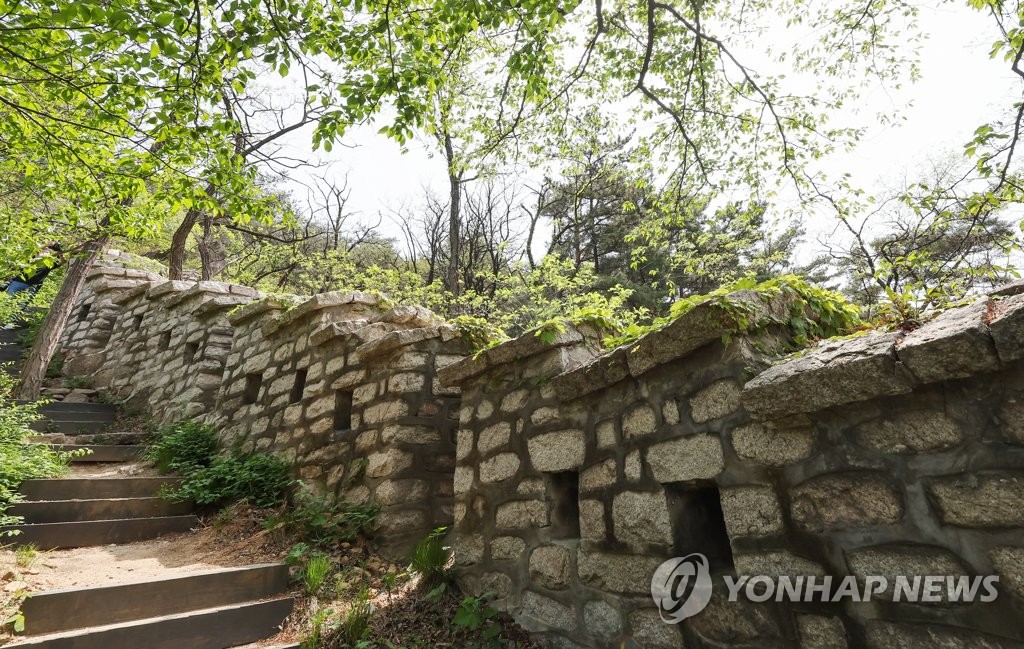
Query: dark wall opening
[
  {"x": 83, "y": 313},
  {"x": 299, "y": 386},
  {"x": 253, "y": 383},
  {"x": 343, "y": 410},
  {"x": 137, "y": 323},
  {"x": 698, "y": 523},
  {"x": 564, "y": 493},
  {"x": 165, "y": 341},
  {"x": 191, "y": 351}
]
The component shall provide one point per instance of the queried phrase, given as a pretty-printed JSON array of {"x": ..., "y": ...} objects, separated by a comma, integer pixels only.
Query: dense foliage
[
  {"x": 208, "y": 478},
  {"x": 604, "y": 156},
  {"x": 20, "y": 460},
  {"x": 184, "y": 447}
]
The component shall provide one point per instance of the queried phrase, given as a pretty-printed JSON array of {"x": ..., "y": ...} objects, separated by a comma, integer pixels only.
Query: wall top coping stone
[
  {"x": 958, "y": 343},
  {"x": 704, "y": 324},
  {"x": 1006, "y": 290},
  {"x": 204, "y": 290},
  {"x": 398, "y": 339},
  {"x": 160, "y": 289},
  {"x": 318, "y": 302},
  {"x": 527, "y": 345},
  {"x": 219, "y": 303},
  {"x": 414, "y": 316},
  {"x": 132, "y": 293},
  {"x": 110, "y": 284},
  {"x": 258, "y": 307},
  {"x": 332, "y": 330}
]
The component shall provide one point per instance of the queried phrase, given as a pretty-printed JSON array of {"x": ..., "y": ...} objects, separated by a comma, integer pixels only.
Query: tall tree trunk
[
  {"x": 454, "y": 216},
  {"x": 176, "y": 259},
  {"x": 34, "y": 371},
  {"x": 209, "y": 252}
]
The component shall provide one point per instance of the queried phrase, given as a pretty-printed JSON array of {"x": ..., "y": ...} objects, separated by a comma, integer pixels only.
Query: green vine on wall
[{"x": 814, "y": 313}]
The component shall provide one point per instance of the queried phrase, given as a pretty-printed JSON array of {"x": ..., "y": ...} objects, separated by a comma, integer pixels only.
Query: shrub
[
  {"x": 430, "y": 558},
  {"x": 185, "y": 447},
  {"x": 20, "y": 461},
  {"x": 260, "y": 479}
]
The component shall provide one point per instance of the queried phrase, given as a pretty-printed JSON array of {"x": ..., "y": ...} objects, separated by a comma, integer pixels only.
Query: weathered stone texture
[
  {"x": 846, "y": 500},
  {"x": 986, "y": 500},
  {"x": 910, "y": 432},
  {"x": 688, "y": 458}
]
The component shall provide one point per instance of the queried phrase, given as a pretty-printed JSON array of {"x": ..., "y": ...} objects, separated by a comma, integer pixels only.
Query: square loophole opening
[
  {"x": 343, "y": 410},
  {"x": 83, "y": 313},
  {"x": 564, "y": 500},
  {"x": 299, "y": 386},
  {"x": 136, "y": 323},
  {"x": 191, "y": 351},
  {"x": 253, "y": 383},
  {"x": 165, "y": 341},
  {"x": 698, "y": 524}
]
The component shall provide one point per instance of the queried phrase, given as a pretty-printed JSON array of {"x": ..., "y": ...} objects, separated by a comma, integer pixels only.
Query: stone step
[
  {"x": 68, "y": 511},
  {"x": 93, "y": 488},
  {"x": 102, "y": 453},
  {"x": 63, "y": 610},
  {"x": 214, "y": 628},
  {"x": 53, "y": 536}
]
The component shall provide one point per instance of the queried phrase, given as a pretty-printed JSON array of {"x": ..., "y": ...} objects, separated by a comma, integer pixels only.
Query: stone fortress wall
[
  {"x": 339, "y": 384},
  {"x": 886, "y": 454},
  {"x": 568, "y": 474}
]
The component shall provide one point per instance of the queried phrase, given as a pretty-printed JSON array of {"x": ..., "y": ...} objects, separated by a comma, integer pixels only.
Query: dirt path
[{"x": 237, "y": 541}]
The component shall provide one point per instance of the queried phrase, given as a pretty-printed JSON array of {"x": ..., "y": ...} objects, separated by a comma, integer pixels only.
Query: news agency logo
[{"x": 681, "y": 587}]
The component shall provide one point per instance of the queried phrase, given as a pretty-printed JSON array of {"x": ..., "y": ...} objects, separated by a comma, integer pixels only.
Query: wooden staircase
[{"x": 214, "y": 609}]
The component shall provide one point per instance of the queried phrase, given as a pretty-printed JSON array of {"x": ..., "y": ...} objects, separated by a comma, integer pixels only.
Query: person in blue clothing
[{"x": 32, "y": 277}]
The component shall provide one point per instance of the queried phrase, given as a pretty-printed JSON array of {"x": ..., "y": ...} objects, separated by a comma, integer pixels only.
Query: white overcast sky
[{"x": 959, "y": 89}]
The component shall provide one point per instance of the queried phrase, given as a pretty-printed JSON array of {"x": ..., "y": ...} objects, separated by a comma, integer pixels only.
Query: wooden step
[
  {"x": 63, "y": 410},
  {"x": 102, "y": 439},
  {"x": 53, "y": 536},
  {"x": 69, "y": 427},
  {"x": 93, "y": 488},
  {"x": 67, "y": 511},
  {"x": 64, "y": 610},
  {"x": 102, "y": 453},
  {"x": 214, "y": 628},
  {"x": 10, "y": 336}
]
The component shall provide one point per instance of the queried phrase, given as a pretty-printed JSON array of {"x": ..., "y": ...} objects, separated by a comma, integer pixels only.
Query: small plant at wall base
[
  {"x": 321, "y": 522},
  {"x": 477, "y": 617},
  {"x": 430, "y": 559},
  {"x": 315, "y": 573}
]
